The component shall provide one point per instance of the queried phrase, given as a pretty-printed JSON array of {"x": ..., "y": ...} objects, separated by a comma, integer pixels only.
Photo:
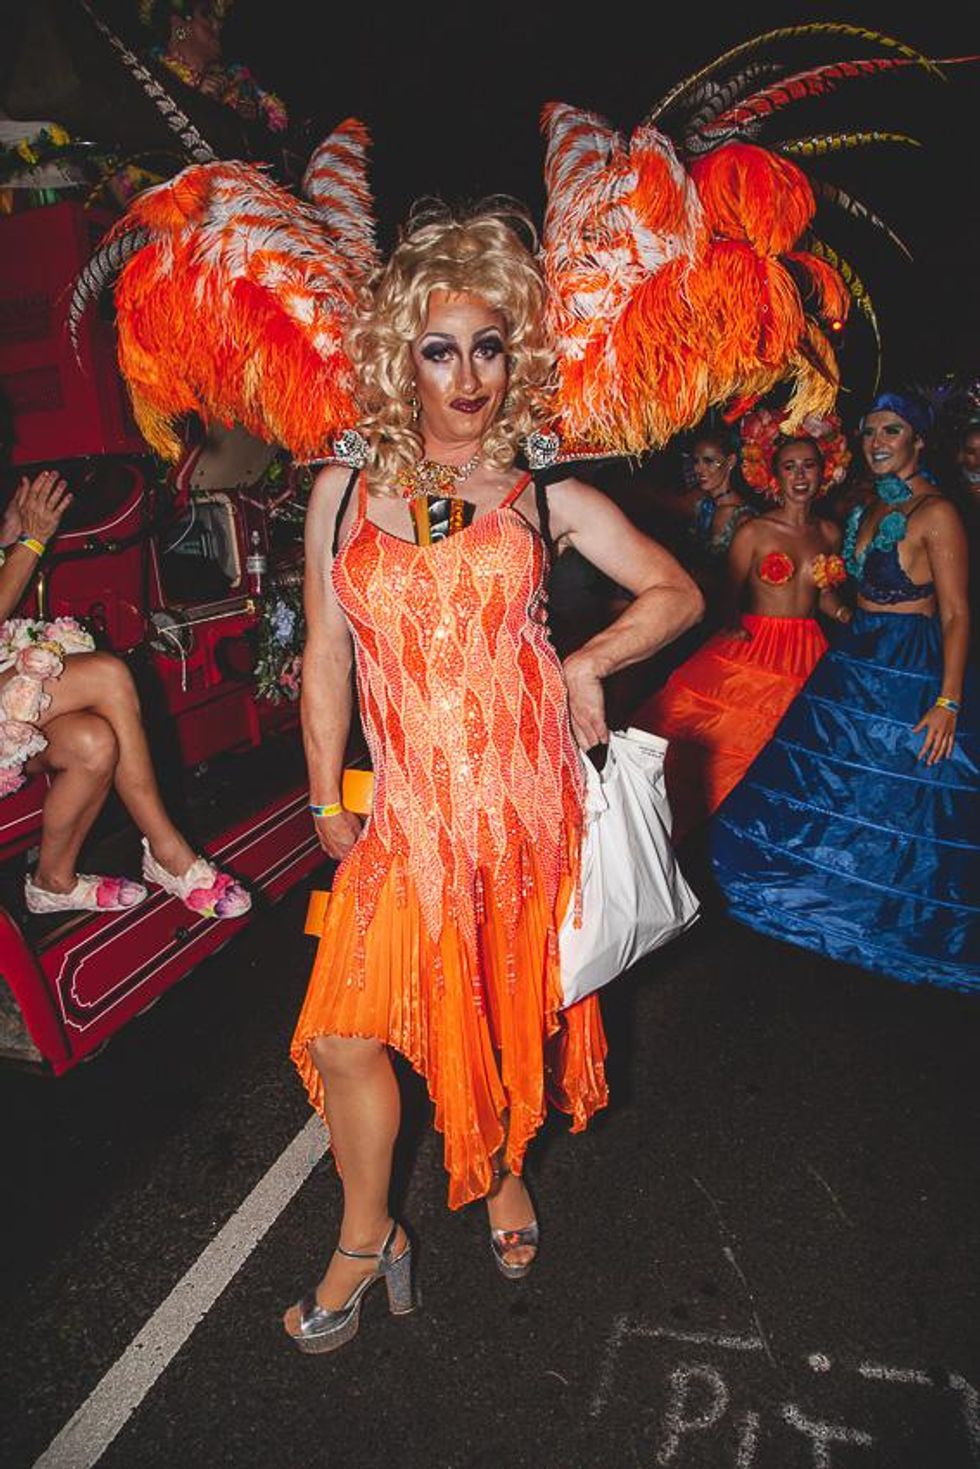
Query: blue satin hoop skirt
[{"x": 839, "y": 840}]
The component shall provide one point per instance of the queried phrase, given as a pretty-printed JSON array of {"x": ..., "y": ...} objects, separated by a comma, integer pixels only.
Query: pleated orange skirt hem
[
  {"x": 721, "y": 706},
  {"x": 480, "y": 1021}
]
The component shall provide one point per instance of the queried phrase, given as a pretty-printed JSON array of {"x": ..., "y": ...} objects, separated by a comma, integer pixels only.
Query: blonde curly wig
[{"x": 481, "y": 252}]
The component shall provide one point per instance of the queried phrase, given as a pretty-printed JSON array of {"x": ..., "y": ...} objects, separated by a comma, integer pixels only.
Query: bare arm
[
  {"x": 738, "y": 567},
  {"x": 946, "y": 546},
  {"x": 35, "y": 510},
  {"x": 830, "y": 602},
  {"x": 326, "y": 696},
  {"x": 666, "y": 600},
  {"x": 831, "y": 605}
]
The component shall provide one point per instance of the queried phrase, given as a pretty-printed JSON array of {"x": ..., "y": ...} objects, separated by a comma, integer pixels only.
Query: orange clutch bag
[{"x": 357, "y": 792}]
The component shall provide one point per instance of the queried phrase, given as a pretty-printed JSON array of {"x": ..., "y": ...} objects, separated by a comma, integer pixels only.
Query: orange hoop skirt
[
  {"x": 440, "y": 937},
  {"x": 723, "y": 704}
]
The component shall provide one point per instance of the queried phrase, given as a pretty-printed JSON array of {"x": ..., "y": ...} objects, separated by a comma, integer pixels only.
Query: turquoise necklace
[{"x": 892, "y": 490}]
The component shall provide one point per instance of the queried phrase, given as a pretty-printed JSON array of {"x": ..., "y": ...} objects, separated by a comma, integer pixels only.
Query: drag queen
[
  {"x": 441, "y": 934},
  {"x": 855, "y": 832},
  {"x": 720, "y": 707}
]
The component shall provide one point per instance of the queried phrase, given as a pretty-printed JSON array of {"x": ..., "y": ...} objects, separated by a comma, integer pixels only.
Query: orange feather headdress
[
  {"x": 681, "y": 273},
  {"x": 681, "y": 270},
  {"x": 237, "y": 295},
  {"x": 667, "y": 291}
]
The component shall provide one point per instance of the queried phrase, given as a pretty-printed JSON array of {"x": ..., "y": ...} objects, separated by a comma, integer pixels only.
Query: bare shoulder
[
  {"x": 569, "y": 491},
  {"x": 328, "y": 488},
  {"x": 749, "y": 530},
  {"x": 939, "y": 516},
  {"x": 831, "y": 533},
  {"x": 325, "y": 497},
  {"x": 574, "y": 505}
]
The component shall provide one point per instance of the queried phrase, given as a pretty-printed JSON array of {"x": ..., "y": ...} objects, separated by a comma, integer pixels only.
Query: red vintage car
[{"x": 173, "y": 575}]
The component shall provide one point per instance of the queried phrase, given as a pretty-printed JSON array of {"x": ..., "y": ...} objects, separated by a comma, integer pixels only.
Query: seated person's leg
[
  {"x": 80, "y": 760},
  {"x": 101, "y": 685}
]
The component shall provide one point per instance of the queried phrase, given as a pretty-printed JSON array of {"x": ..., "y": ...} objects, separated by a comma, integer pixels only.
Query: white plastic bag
[{"x": 634, "y": 897}]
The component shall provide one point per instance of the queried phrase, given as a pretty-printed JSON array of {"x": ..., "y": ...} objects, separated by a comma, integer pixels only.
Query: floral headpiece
[{"x": 760, "y": 433}]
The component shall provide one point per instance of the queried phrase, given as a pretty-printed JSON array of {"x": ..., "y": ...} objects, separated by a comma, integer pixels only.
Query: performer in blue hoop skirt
[{"x": 855, "y": 832}]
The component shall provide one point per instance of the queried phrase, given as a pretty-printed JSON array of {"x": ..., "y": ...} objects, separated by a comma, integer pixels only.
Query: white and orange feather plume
[
  {"x": 236, "y": 303},
  {"x": 681, "y": 273},
  {"x": 667, "y": 288}
]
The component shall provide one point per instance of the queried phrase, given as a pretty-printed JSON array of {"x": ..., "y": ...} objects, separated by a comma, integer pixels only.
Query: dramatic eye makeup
[{"x": 437, "y": 349}]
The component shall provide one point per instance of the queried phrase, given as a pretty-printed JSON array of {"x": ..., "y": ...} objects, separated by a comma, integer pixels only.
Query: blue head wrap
[{"x": 916, "y": 411}]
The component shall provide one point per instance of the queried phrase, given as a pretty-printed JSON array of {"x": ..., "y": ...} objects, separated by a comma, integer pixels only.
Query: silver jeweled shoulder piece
[
  {"x": 541, "y": 449},
  {"x": 351, "y": 448}
]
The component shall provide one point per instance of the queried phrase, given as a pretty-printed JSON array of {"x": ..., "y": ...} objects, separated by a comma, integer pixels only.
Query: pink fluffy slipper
[
  {"x": 203, "y": 888},
  {"x": 91, "y": 893}
]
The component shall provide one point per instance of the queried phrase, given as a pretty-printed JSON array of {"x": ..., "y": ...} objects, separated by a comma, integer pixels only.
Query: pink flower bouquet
[{"x": 18, "y": 742}]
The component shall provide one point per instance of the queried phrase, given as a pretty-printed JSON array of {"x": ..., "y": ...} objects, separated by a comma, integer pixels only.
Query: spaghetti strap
[
  {"x": 515, "y": 492},
  {"x": 923, "y": 501},
  {"x": 342, "y": 508},
  {"x": 544, "y": 514}
]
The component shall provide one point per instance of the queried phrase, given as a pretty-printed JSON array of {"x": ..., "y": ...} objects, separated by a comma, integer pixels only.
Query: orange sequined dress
[{"x": 440, "y": 937}]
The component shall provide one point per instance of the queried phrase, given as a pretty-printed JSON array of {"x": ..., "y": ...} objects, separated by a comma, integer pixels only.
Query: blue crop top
[{"x": 880, "y": 575}]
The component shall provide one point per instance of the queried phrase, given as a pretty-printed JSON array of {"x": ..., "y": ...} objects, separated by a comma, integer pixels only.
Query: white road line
[
  {"x": 879, "y": 1372},
  {"x": 85, "y": 1438}
]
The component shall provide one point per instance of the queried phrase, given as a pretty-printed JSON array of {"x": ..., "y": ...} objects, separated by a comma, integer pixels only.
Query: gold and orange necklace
[{"x": 429, "y": 477}]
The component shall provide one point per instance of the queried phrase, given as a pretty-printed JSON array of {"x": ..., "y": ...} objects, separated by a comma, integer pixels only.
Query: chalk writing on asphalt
[{"x": 698, "y": 1395}]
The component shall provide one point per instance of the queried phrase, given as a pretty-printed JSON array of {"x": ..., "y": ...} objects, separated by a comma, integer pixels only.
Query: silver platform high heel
[
  {"x": 323, "y": 1330},
  {"x": 503, "y": 1241}
]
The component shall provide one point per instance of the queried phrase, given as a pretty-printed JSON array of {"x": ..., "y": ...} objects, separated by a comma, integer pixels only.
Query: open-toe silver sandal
[
  {"x": 323, "y": 1330},
  {"x": 504, "y": 1241}
]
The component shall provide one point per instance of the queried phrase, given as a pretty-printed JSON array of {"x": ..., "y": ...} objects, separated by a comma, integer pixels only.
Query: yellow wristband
[
  {"x": 334, "y": 809},
  {"x": 32, "y": 544}
]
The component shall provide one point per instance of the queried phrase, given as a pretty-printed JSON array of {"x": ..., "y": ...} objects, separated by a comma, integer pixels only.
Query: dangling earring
[
  {"x": 180, "y": 33},
  {"x": 413, "y": 403},
  {"x": 509, "y": 403}
]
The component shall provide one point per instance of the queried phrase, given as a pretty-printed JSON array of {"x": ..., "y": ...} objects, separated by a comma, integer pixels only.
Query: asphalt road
[{"x": 763, "y": 1256}]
